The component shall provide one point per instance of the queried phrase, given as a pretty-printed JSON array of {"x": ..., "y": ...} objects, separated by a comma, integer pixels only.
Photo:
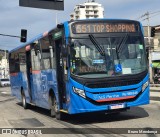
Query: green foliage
[{"x": 1, "y": 57}]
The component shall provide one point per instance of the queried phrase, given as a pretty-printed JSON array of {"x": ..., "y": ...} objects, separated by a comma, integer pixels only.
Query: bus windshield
[{"x": 121, "y": 55}]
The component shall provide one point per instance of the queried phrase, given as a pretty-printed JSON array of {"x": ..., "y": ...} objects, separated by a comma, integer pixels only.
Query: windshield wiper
[
  {"x": 98, "y": 47},
  {"x": 124, "y": 39},
  {"x": 120, "y": 45}
]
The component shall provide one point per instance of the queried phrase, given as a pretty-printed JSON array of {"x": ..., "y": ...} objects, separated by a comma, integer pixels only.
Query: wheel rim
[{"x": 55, "y": 107}]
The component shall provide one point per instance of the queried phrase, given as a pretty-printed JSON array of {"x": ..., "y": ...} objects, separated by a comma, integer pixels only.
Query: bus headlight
[
  {"x": 80, "y": 92},
  {"x": 144, "y": 86}
]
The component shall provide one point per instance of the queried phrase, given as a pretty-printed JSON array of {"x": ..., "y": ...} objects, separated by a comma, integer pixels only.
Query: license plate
[{"x": 117, "y": 106}]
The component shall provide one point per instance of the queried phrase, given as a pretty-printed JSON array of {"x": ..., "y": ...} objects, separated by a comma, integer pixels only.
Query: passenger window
[
  {"x": 22, "y": 61},
  {"x": 47, "y": 54},
  {"x": 36, "y": 62}
]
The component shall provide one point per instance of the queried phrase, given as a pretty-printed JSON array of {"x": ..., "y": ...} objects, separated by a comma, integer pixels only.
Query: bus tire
[
  {"x": 54, "y": 109},
  {"x": 24, "y": 103}
]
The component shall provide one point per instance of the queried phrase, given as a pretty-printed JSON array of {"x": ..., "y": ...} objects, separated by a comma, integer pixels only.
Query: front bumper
[{"x": 81, "y": 105}]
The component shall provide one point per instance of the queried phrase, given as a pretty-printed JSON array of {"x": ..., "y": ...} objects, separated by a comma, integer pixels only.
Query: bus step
[
  {"x": 64, "y": 111},
  {"x": 33, "y": 104}
]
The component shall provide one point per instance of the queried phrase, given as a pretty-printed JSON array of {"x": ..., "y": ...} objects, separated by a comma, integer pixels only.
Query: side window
[
  {"x": 22, "y": 60},
  {"x": 14, "y": 62},
  {"x": 53, "y": 57},
  {"x": 11, "y": 63},
  {"x": 17, "y": 61},
  {"x": 36, "y": 56},
  {"x": 17, "y": 64},
  {"x": 35, "y": 61},
  {"x": 52, "y": 52},
  {"x": 47, "y": 53}
]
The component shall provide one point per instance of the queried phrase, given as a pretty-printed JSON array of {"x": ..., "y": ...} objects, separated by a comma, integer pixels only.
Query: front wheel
[
  {"x": 54, "y": 109},
  {"x": 52, "y": 106}
]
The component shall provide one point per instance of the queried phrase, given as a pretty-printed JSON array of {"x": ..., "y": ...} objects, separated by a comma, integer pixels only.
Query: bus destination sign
[{"x": 82, "y": 28}]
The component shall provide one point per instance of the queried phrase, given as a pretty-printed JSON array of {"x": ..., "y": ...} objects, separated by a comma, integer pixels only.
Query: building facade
[
  {"x": 4, "y": 65},
  {"x": 154, "y": 47},
  {"x": 88, "y": 10},
  {"x": 155, "y": 40},
  {"x": 4, "y": 68}
]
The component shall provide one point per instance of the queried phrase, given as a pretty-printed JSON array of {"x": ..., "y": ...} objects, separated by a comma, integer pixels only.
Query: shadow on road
[
  {"x": 88, "y": 118},
  {"x": 133, "y": 113},
  {"x": 36, "y": 109}
]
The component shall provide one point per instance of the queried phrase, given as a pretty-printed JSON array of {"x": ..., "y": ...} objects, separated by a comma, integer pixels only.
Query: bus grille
[{"x": 112, "y": 84}]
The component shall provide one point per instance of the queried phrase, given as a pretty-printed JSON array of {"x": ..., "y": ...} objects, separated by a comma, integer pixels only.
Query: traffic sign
[{"x": 43, "y": 4}]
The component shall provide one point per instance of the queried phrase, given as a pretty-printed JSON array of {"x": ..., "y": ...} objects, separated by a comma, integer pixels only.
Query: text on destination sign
[{"x": 103, "y": 27}]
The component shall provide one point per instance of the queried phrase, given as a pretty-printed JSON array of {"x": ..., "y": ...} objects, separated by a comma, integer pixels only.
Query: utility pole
[
  {"x": 5, "y": 63},
  {"x": 150, "y": 49},
  {"x": 147, "y": 15}
]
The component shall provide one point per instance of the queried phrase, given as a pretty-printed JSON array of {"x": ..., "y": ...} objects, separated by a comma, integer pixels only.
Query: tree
[{"x": 1, "y": 57}]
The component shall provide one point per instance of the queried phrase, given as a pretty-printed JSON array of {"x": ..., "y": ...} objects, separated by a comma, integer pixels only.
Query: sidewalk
[
  {"x": 155, "y": 92},
  {"x": 155, "y": 87}
]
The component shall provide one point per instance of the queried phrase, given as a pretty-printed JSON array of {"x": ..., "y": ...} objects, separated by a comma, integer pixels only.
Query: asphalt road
[{"x": 12, "y": 115}]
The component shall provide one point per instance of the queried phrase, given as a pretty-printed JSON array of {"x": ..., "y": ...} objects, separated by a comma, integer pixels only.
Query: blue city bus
[{"x": 81, "y": 66}]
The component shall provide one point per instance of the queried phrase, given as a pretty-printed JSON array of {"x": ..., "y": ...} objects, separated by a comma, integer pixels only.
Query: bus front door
[
  {"x": 60, "y": 72},
  {"x": 29, "y": 74}
]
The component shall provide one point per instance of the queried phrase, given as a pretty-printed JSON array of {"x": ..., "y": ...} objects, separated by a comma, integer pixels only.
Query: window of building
[{"x": 87, "y": 17}]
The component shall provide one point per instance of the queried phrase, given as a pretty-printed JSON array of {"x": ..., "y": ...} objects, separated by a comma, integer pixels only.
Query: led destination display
[{"x": 99, "y": 27}]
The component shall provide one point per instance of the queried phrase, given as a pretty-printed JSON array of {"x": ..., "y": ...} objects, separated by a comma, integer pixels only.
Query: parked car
[{"x": 4, "y": 82}]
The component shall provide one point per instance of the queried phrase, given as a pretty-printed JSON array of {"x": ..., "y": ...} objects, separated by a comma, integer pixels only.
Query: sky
[{"x": 13, "y": 18}]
